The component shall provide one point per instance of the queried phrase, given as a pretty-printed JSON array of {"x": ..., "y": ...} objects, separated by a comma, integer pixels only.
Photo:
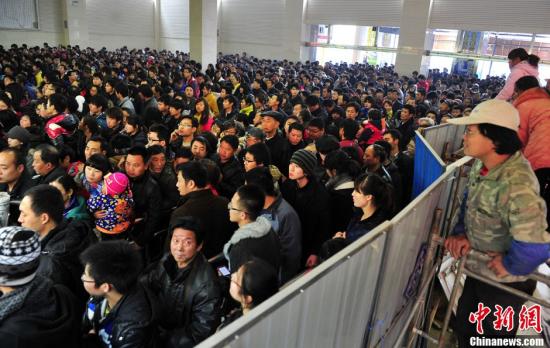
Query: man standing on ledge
[{"x": 501, "y": 214}]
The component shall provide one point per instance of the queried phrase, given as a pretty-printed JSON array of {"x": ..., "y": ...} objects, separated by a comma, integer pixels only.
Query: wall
[
  {"x": 50, "y": 30},
  {"x": 113, "y": 24},
  {"x": 174, "y": 25}
]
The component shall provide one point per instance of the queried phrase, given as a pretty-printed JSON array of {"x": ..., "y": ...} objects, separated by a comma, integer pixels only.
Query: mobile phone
[{"x": 224, "y": 271}]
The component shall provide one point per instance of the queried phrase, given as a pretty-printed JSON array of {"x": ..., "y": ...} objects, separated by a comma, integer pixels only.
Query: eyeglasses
[
  {"x": 152, "y": 140},
  {"x": 86, "y": 280},
  {"x": 470, "y": 132},
  {"x": 230, "y": 207}
]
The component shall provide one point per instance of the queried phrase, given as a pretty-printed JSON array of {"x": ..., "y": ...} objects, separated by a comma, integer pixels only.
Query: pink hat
[{"x": 116, "y": 183}]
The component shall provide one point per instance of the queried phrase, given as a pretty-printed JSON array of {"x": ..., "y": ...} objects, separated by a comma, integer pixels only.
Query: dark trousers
[
  {"x": 543, "y": 175},
  {"x": 475, "y": 292}
]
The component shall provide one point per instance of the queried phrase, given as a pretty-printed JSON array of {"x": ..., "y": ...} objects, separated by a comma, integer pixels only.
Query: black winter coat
[
  {"x": 147, "y": 199},
  {"x": 279, "y": 151},
  {"x": 190, "y": 299},
  {"x": 212, "y": 213},
  {"x": 312, "y": 203},
  {"x": 232, "y": 176},
  {"x": 59, "y": 259},
  {"x": 134, "y": 319},
  {"x": 47, "y": 319}
]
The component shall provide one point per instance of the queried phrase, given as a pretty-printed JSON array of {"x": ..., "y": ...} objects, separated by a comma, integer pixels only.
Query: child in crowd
[
  {"x": 112, "y": 207},
  {"x": 96, "y": 168}
]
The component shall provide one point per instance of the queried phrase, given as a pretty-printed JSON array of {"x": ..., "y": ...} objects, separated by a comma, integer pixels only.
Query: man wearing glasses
[{"x": 255, "y": 237}]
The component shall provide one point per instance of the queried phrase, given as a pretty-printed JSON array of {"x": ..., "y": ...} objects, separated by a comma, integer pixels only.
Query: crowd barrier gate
[{"x": 364, "y": 295}]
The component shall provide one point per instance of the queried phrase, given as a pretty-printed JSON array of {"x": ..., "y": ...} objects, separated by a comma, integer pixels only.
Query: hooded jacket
[
  {"x": 534, "y": 126},
  {"x": 47, "y": 318},
  {"x": 256, "y": 239},
  {"x": 521, "y": 69},
  {"x": 190, "y": 299}
]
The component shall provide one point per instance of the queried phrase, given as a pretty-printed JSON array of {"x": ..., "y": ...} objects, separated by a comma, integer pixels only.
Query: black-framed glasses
[{"x": 230, "y": 207}]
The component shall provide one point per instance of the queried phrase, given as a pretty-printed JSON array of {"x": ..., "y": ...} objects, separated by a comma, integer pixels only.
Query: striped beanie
[
  {"x": 19, "y": 255},
  {"x": 305, "y": 160}
]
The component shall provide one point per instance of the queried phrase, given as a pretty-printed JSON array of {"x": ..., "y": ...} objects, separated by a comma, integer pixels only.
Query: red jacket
[{"x": 534, "y": 126}]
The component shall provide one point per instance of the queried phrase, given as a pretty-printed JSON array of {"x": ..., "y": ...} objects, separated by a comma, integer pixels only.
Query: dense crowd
[{"x": 154, "y": 200}]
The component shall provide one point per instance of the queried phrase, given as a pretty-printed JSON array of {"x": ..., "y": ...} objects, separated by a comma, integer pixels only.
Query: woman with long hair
[
  {"x": 372, "y": 195},
  {"x": 203, "y": 115}
]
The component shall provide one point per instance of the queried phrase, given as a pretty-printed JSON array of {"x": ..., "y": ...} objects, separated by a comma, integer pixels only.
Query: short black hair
[
  {"x": 213, "y": 171},
  {"x": 182, "y": 152},
  {"x": 99, "y": 100},
  {"x": 187, "y": 223},
  {"x": 122, "y": 89},
  {"x": 350, "y": 127},
  {"x": 260, "y": 152},
  {"x": 115, "y": 113},
  {"x": 317, "y": 122},
  {"x": 261, "y": 177},
  {"x": 91, "y": 123},
  {"x": 47, "y": 199},
  {"x": 380, "y": 152},
  {"x": 354, "y": 105},
  {"x": 506, "y": 141},
  {"x": 139, "y": 151},
  {"x": 99, "y": 139},
  {"x": 395, "y": 134},
  {"x": 251, "y": 200},
  {"x": 297, "y": 126},
  {"x": 145, "y": 90},
  {"x": 195, "y": 171},
  {"x": 412, "y": 109},
  {"x": 156, "y": 150},
  {"x": 162, "y": 131},
  {"x": 526, "y": 82},
  {"x": 260, "y": 280},
  {"x": 48, "y": 154},
  {"x": 232, "y": 140},
  {"x": 59, "y": 101},
  {"x": 113, "y": 262},
  {"x": 326, "y": 144},
  {"x": 18, "y": 155}
]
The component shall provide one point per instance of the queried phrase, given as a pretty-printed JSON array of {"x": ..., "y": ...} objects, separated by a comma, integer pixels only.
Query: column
[
  {"x": 415, "y": 18},
  {"x": 295, "y": 32},
  {"x": 76, "y": 23},
  {"x": 156, "y": 25},
  {"x": 203, "y": 24}
]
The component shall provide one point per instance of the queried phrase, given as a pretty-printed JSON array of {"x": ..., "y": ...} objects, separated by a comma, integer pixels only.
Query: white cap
[{"x": 494, "y": 111}]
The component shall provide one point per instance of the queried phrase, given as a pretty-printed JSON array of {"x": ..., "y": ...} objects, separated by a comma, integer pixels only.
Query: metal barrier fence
[
  {"x": 444, "y": 139},
  {"x": 407, "y": 258},
  {"x": 361, "y": 296},
  {"x": 366, "y": 294},
  {"x": 328, "y": 307}
]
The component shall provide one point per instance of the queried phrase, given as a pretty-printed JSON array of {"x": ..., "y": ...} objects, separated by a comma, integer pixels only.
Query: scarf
[{"x": 13, "y": 301}]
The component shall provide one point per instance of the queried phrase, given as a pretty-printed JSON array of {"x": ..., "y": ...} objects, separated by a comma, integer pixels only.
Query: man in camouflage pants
[{"x": 502, "y": 215}]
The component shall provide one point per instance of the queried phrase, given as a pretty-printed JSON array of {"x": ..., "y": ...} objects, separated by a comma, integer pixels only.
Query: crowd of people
[{"x": 154, "y": 200}]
